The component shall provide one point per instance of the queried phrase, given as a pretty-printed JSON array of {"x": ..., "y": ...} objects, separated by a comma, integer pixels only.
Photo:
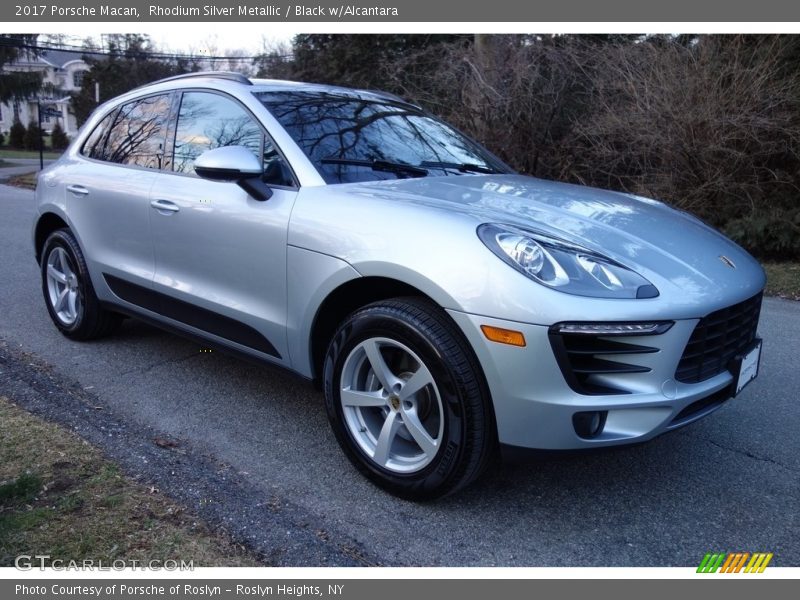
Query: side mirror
[{"x": 235, "y": 164}]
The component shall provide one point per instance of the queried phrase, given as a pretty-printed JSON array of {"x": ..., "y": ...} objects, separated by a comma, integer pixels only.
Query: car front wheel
[
  {"x": 68, "y": 291},
  {"x": 406, "y": 399}
]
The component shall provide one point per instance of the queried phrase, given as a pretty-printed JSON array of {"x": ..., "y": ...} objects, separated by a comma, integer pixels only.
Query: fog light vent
[{"x": 589, "y": 424}]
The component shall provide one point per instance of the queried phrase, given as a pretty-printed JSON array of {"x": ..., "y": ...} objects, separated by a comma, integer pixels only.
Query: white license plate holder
[{"x": 745, "y": 366}]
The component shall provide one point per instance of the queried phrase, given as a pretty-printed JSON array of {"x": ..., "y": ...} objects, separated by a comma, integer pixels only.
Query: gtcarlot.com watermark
[{"x": 27, "y": 562}]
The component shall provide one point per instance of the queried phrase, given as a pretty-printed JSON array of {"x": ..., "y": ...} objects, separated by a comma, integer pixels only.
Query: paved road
[
  {"x": 729, "y": 482},
  {"x": 20, "y": 166}
]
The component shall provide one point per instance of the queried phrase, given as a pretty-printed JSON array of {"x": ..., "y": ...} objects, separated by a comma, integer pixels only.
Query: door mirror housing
[
  {"x": 228, "y": 163},
  {"x": 236, "y": 164}
]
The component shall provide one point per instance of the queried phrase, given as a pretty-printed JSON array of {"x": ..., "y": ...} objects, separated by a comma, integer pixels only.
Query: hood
[{"x": 672, "y": 249}]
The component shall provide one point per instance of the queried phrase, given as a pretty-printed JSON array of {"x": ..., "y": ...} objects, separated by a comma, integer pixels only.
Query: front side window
[
  {"x": 139, "y": 133},
  {"x": 351, "y": 138},
  {"x": 207, "y": 121}
]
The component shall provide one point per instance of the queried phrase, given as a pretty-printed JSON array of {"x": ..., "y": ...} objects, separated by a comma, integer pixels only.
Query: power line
[{"x": 73, "y": 49}]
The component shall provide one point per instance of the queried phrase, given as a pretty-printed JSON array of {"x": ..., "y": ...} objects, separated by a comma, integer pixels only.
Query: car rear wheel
[
  {"x": 406, "y": 399},
  {"x": 68, "y": 291}
]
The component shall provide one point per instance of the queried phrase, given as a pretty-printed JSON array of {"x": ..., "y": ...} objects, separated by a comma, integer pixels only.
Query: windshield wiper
[
  {"x": 463, "y": 167},
  {"x": 398, "y": 169}
]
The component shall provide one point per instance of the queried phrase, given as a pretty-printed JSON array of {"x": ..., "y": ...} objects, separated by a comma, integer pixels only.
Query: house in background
[{"x": 65, "y": 71}]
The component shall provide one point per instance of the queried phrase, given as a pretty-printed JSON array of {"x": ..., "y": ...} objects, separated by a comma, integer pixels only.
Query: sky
[
  {"x": 195, "y": 37},
  {"x": 218, "y": 40}
]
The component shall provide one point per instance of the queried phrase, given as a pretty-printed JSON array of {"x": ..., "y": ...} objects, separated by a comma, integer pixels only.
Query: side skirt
[{"x": 191, "y": 315}]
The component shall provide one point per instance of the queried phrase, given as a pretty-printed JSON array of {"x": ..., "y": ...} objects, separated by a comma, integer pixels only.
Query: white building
[{"x": 65, "y": 71}]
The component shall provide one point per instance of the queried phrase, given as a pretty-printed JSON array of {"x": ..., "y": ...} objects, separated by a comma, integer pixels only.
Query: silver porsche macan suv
[{"x": 446, "y": 305}]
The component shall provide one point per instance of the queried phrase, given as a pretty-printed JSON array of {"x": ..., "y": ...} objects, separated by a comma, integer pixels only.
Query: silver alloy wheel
[
  {"x": 391, "y": 405},
  {"x": 62, "y": 286}
]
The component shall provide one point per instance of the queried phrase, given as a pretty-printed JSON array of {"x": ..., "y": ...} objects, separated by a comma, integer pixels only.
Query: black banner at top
[{"x": 399, "y": 11}]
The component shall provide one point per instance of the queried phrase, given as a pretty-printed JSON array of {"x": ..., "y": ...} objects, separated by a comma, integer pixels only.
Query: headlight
[{"x": 562, "y": 265}]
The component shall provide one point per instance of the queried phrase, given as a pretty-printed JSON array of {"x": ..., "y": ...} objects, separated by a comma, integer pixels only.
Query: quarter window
[
  {"x": 95, "y": 144},
  {"x": 139, "y": 133}
]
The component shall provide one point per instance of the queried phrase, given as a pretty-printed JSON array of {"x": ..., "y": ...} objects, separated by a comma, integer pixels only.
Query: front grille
[
  {"x": 583, "y": 359},
  {"x": 717, "y": 339}
]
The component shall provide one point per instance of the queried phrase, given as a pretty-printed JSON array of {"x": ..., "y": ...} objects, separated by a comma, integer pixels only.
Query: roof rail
[
  {"x": 392, "y": 97},
  {"x": 388, "y": 96},
  {"x": 230, "y": 76}
]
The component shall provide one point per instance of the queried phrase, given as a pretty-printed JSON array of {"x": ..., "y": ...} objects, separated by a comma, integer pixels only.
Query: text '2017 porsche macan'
[{"x": 446, "y": 305}]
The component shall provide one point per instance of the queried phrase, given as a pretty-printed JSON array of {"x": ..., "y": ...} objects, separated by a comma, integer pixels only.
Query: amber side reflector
[{"x": 503, "y": 336}]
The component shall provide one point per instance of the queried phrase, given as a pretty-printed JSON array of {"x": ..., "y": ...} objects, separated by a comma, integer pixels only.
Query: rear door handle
[
  {"x": 78, "y": 190},
  {"x": 165, "y": 207}
]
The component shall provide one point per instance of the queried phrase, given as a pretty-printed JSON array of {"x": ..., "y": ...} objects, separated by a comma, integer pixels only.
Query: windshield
[{"x": 351, "y": 139}]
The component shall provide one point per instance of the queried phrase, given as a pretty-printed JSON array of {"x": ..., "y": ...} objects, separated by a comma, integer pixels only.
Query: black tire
[
  {"x": 465, "y": 424},
  {"x": 90, "y": 320}
]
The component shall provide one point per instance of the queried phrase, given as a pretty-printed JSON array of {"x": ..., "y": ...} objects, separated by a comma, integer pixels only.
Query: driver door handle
[
  {"x": 165, "y": 207},
  {"x": 78, "y": 190}
]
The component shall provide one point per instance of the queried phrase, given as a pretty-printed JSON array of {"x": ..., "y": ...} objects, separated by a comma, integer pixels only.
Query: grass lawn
[
  {"x": 60, "y": 496},
  {"x": 783, "y": 279},
  {"x": 11, "y": 154}
]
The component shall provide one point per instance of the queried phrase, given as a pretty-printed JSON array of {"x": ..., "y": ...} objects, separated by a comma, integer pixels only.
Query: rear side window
[
  {"x": 139, "y": 133},
  {"x": 95, "y": 144}
]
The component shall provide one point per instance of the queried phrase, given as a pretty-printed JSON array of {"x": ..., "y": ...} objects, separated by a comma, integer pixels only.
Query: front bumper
[{"x": 534, "y": 406}]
